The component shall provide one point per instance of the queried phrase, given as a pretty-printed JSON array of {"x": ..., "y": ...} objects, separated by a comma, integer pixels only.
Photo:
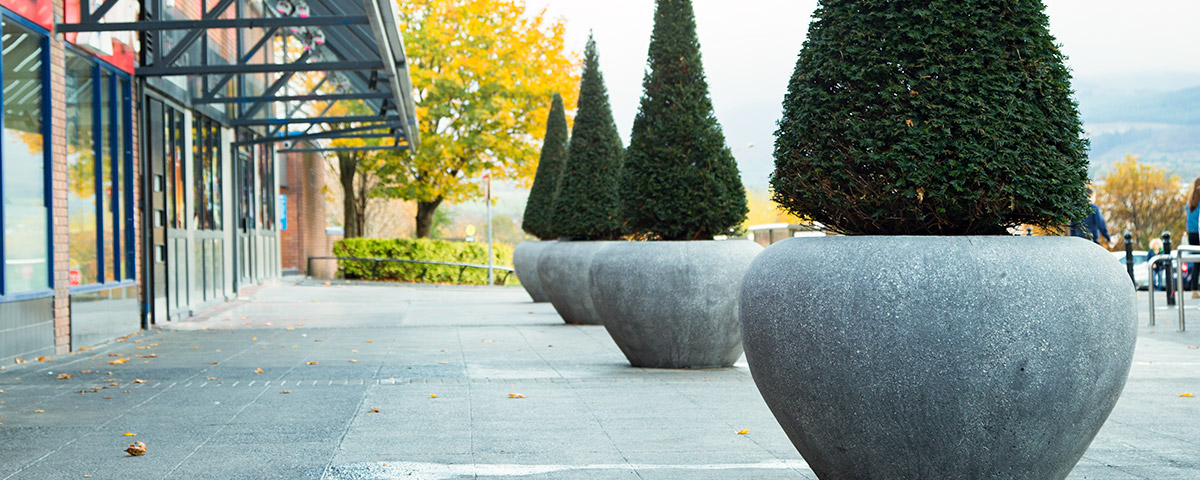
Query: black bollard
[
  {"x": 1028, "y": 231},
  {"x": 1170, "y": 269},
  {"x": 1129, "y": 257}
]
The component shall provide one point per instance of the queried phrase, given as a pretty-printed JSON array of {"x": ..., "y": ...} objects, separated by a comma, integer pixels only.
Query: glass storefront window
[
  {"x": 99, "y": 196},
  {"x": 81, "y": 170},
  {"x": 26, "y": 246}
]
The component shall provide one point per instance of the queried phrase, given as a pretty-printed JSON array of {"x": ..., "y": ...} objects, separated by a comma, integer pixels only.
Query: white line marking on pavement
[{"x": 441, "y": 471}]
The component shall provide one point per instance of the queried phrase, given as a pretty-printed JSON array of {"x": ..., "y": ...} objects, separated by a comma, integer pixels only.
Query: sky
[{"x": 749, "y": 48}]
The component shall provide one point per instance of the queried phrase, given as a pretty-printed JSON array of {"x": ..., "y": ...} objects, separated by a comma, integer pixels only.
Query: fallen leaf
[
  {"x": 129, "y": 434},
  {"x": 195, "y": 347},
  {"x": 353, "y": 360},
  {"x": 218, "y": 350},
  {"x": 117, "y": 361},
  {"x": 245, "y": 317},
  {"x": 912, "y": 92},
  {"x": 370, "y": 341},
  {"x": 39, "y": 411},
  {"x": 114, "y": 354},
  {"x": 1186, "y": 395},
  {"x": 1193, "y": 347},
  {"x": 115, "y": 384},
  {"x": 254, "y": 339},
  {"x": 85, "y": 371},
  {"x": 136, "y": 449},
  {"x": 743, "y": 432},
  {"x": 212, "y": 378},
  {"x": 908, "y": 122},
  {"x": 373, "y": 410},
  {"x": 83, "y": 348},
  {"x": 433, "y": 395},
  {"x": 353, "y": 351},
  {"x": 18, "y": 360},
  {"x": 214, "y": 363},
  {"x": 138, "y": 380},
  {"x": 64, "y": 376},
  {"x": 108, "y": 398},
  {"x": 326, "y": 284},
  {"x": 1, "y": 391},
  {"x": 285, "y": 392},
  {"x": 314, "y": 362},
  {"x": 258, "y": 370},
  {"x": 289, "y": 327},
  {"x": 515, "y": 395},
  {"x": 125, "y": 391},
  {"x": 318, "y": 340},
  {"x": 443, "y": 363}
]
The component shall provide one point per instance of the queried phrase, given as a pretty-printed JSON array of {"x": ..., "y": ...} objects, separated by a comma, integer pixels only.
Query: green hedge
[{"x": 418, "y": 249}]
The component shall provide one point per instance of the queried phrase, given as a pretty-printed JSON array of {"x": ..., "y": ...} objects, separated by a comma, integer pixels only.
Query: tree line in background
[{"x": 1142, "y": 199}]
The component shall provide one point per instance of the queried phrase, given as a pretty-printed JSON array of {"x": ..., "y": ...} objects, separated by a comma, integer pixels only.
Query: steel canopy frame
[{"x": 362, "y": 40}]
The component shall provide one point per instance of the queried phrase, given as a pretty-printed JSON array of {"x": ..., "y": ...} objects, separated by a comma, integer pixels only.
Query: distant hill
[{"x": 1156, "y": 117}]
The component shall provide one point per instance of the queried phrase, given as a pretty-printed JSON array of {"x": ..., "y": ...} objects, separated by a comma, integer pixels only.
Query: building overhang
[{"x": 284, "y": 43}]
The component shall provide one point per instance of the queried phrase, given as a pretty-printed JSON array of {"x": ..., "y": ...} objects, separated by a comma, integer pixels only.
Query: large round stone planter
[
  {"x": 939, "y": 357},
  {"x": 673, "y": 304},
  {"x": 525, "y": 263},
  {"x": 563, "y": 271}
]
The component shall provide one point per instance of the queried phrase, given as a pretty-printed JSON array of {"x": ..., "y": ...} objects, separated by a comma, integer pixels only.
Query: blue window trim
[
  {"x": 47, "y": 167},
  {"x": 121, "y": 84},
  {"x": 25, "y": 296},
  {"x": 100, "y": 287}
]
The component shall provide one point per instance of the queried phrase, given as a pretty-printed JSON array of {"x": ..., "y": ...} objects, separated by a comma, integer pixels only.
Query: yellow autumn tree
[
  {"x": 763, "y": 210},
  {"x": 483, "y": 73},
  {"x": 1142, "y": 199}
]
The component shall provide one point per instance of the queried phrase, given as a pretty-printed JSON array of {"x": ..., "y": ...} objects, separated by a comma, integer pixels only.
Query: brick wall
[
  {"x": 305, "y": 236},
  {"x": 58, "y": 164}
]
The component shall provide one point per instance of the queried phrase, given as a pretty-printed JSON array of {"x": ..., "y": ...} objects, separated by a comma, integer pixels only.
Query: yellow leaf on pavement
[
  {"x": 130, "y": 434},
  {"x": 258, "y": 370},
  {"x": 1186, "y": 395},
  {"x": 743, "y": 432}
]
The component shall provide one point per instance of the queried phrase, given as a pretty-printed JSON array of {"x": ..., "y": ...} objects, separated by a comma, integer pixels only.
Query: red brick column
[{"x": 58, "y": 164}]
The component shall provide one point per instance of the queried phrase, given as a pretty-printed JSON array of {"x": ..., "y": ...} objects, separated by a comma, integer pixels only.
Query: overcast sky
[{"x": 750, "y": 46}]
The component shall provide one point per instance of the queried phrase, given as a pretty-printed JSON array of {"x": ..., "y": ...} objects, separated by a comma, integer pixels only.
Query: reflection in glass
[
  {"x": 108, "y": 196},
  {"x": 26, "y": 262},
  {"x": 81, "y": 171}
]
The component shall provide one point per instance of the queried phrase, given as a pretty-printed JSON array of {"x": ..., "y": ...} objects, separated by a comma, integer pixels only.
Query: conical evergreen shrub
[
  {"x": 540, "y": 207},
  {"x": 681, "y": 181},
  {"x": 940, "y": 117},
  {"x": 588, "y": 203}
]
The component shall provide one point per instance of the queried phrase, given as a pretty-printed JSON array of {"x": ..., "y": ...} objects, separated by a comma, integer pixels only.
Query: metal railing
[
  {"x": 375, "y": 266},
  {"x": 1177, "y": 256}
]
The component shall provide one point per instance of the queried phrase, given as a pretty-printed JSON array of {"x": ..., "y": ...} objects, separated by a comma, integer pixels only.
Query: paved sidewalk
[{"x": 427, "y": 382}]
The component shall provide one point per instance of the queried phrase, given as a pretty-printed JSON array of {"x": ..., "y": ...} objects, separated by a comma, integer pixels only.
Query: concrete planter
[
  {"x": 525, "y": 262},
  {"x": 673, "y": 304},
  {"x": 939, "y": 357},
  {"x": 563, "y": 271}
]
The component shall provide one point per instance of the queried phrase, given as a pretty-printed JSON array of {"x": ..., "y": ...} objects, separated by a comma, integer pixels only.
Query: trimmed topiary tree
[
  {"x": 540, "y": 207},
  {"x": 681, "y": 181},
  {"x": 588, "y": 203},
  {"x": 945, "y": 118}
]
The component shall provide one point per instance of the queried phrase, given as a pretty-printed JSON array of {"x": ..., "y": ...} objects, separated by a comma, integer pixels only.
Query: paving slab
[{"x": 377, "y": 381}]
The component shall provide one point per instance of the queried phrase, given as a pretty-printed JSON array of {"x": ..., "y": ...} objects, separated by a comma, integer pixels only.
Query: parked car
[{"x": 1141, "y": 278}]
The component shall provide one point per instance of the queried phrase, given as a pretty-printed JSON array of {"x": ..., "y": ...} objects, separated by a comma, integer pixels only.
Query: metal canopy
[{"x": 356, "y": 42}]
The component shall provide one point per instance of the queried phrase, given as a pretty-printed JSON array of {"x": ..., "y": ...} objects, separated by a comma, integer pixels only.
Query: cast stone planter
[
  {"x": 673, "y": 304},
  {"x": 939, "y": 357},
  {"x": 563, "y": 271},
  {"x": 525, "y": 263}
]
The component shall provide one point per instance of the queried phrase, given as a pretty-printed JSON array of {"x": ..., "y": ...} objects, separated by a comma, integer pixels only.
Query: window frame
[
  {"x": 47, "y": 167},
  {"x": 122, "y": 225}
]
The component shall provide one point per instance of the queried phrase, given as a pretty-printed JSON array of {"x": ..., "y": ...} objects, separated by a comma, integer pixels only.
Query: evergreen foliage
[
  {"x": 681, "y": 181},
  {"x": 941, "y": 117},
  {"x": 588, "y": 203},
  {"x": 540, "y": 207}
]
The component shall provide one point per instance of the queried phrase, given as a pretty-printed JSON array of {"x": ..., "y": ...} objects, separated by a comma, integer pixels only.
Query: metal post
[
  {"x": 1170, "y": 276},
  {"x": 491, "y": 274},
  {"x": 1150, "y": 270},
  {"x": 1028, "y": 231},
  {"x": 1129, "y": 259},
  {"x": 1179, "y": 272}
]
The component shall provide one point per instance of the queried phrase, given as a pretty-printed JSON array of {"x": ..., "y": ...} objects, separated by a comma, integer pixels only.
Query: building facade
[{"x": 138, "y": 158}]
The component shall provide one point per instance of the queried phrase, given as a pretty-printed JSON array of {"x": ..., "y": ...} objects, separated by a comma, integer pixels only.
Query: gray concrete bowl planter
[
  {"x": 525, "y": 262},
  {"x": 563, "y": 271},
  {"x": 673, "y": 304},
  {"x": 939, "y": 357}
]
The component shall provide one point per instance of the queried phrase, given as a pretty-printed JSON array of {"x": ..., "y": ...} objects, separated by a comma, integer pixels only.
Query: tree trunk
[
  {"x": 425, "y": 217},
  {"x": 347, "y": 167}
]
